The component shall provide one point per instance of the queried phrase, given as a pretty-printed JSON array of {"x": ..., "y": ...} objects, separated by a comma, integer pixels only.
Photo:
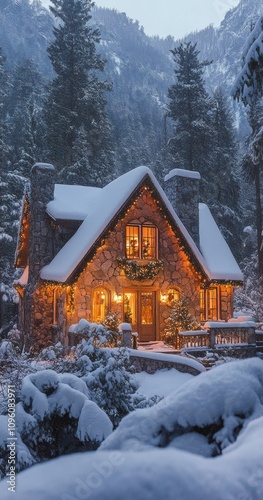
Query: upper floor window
[{"x": 141, "y": 242}]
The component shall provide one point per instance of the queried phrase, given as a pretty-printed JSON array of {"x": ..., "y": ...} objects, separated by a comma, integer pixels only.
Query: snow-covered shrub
[
  {"x": 249, "y": 298},
  {"x": 100, "y": 335},
  {"x": 7, "y": 349},
  {"x": 56, "y": 416},
  {"x": 24, "y": 458},
  {"x": 203, "y": 416},
  {"x": 13, "y": 368},
  {"x": 52, "y": 353},
  {"x": 109, "y": 378}
]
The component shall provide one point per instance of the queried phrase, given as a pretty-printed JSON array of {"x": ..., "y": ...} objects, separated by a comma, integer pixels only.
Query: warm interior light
[
  {"x": 163, "y": 297},
  {"x": 117, "y": 298}
]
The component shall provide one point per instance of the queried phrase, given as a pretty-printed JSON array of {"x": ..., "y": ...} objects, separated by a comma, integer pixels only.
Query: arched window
[
  {"x": 100, "y": 304},
  {"x": 141, "y": 241}
]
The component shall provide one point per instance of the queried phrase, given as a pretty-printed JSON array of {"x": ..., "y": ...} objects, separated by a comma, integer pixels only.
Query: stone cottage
[{"x": 129, "y": 247}]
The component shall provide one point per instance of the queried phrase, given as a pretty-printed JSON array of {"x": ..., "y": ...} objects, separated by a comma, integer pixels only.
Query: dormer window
[{"x": 141, "y": 241}]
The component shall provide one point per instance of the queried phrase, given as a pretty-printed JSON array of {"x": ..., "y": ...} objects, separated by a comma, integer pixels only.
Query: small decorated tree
[{"x": 179, "y": 320}]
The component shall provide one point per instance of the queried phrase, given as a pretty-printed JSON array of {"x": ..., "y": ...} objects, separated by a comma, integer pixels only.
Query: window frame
[
  {"x": 139, "y": 227},
  {"x": 106, "y": 305},
  {"x": 206, "y": 299}
]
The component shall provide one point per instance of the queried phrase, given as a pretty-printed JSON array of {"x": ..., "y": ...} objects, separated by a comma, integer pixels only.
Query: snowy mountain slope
[{"x": 139, "y": 66}]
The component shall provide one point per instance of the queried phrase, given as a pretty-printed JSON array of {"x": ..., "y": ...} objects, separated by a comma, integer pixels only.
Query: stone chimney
[
  {"x": 182, "y": 189},
  {"x": 41, "y": 233}
]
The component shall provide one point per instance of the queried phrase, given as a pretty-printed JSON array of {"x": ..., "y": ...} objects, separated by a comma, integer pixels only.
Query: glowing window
[
  {"x": 132, "y": 242},
  {"x": 212, "y": 309},
  {"x": 100, "y": 304},
  {"x": 141, "y": 242},
  {"x": 130, "y": 309},
  {"x": 209, "y": 304}
]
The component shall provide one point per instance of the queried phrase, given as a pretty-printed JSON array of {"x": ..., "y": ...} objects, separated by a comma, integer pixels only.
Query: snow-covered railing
[
  {"x": 197, "y": 338},
  {"x": 259, "y": 337},
  {"x": 231, "y": 333},
  {"x": 221, "y": 333}
]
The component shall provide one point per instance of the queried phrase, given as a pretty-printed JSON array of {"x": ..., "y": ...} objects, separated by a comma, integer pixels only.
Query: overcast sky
[{"x": 171, "y": 17}]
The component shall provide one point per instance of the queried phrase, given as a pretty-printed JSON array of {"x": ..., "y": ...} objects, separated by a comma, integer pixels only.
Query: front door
[{"x": 140, "y": 311}]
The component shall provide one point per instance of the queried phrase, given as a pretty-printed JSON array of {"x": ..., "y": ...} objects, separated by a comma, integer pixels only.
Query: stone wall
[
  {"x": 153, "y": 365},
  {"x": 226, "y": 299}
]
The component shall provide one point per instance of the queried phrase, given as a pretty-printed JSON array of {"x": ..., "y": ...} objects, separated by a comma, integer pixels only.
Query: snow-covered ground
[
  {"x": 166, "y": 451},
  {"x": 161, "y": 383}
]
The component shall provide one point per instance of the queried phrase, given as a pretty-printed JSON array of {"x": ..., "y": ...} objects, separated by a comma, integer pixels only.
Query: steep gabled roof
[
  {"x": 72, "y": 202},
  {"x": 102, "y": 206}
]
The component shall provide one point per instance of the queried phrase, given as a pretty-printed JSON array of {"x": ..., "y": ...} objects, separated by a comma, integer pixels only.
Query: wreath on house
[{"x": 140, "y": 272}]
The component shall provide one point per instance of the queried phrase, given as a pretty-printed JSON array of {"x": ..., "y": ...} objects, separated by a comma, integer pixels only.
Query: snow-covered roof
[
  {"x": 219, "y": 259},
  {"x": 72, "y": 202},
  {"x": 102, "y": 205}
]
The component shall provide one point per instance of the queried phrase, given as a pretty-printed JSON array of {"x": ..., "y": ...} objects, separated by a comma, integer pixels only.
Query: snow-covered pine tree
[
  {"x": 248, "y": 88},
  {"x": 249, "y": 83},
  {"x": 179, "y": 320},
  {"x": 3, "y": 82},
  {"x": 224, "y": 192},
  {"x": 9, "y": 208},
  {"x": 189, "y": 109},
  {"x": 25, "y": 125},
  {"x": 251, "y": 164},
  {"x": 76, "y": 106}
]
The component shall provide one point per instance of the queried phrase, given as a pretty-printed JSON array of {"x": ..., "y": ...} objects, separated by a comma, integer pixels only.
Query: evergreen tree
[
  {"x": 249, "y": 89},
  {"x": 189, "y": 109},
  {"x": 249, "y": 83},
  {"x": 251, "y": 164},
  {"x": 179, "y": 320},
  {"x": 25, "y": 124},
  {"x": 224, "y": 191},
  {"x": 78, "y": 131},
  {"x": 9, "y": 205}
]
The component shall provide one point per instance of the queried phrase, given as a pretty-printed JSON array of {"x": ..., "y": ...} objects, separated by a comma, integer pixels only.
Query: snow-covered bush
[
  {"x": 107, "y": 372},
  {"x": 203, "y": 416},
  {"x": 249, "y": 298},
  {"x": 103, "y": 335},
  {"x": 52, "y": 353},
  {"x": 108, "y": 375},
  {"x": 56, "y": 416},
  {"x": 64, "y": 418},
  {"x": 24, "y": 457}
]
